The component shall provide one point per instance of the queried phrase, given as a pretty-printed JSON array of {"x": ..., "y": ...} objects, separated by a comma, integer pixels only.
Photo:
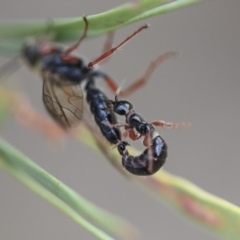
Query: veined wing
[{"x": 63, "y": 100}]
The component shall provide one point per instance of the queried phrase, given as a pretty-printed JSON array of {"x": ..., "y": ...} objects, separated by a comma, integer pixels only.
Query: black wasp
[
  {"x": 62, "y": 75},
  {"x": 154, "y": 156}
]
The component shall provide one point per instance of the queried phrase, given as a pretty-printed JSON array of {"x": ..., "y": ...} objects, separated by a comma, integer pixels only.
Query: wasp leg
[
  {"x": 116, "y": 125},
  {"x": 114, "y": 49},
  {"x": 140, "y": 82},
  {"x": 65, "y": 54},
  {"x": 134, "y": 136},
  {"x": 147, "y": 142},
  {"x": 108, "y": 44},
  {"x": 163, "y": 124}
]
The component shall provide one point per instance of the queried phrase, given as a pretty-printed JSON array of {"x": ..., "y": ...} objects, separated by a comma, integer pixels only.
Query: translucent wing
[{"x": 63, "y": 100}]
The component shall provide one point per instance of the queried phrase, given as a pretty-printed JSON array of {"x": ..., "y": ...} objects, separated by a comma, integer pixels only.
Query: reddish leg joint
[
  {"x": 140, "y": 82},
  {"x": 170, "y": 125},
  {"x": 76, "y": 45},
  {"x": 113, "y": 50}
]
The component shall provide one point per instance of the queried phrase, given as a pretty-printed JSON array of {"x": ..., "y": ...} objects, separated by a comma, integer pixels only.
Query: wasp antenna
[{"x": 120, "y": 88}]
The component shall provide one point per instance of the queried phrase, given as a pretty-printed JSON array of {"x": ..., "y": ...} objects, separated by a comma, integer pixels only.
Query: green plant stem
[
  {"x": 12, "y": 34},
  {"x": 13, "y": 160},
  {"x": 37, "y": 188}
]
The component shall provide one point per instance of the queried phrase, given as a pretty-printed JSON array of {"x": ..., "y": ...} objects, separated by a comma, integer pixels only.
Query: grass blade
[
  {"x": 12, "y": 34},
  {"x": 35, "y": 187},
  {"x": 199, "y": 206},
  {"x": 60, "y": 195}
]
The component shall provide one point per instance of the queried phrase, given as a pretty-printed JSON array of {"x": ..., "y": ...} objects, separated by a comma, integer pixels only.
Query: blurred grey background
[{"x": 201, "y": 85}]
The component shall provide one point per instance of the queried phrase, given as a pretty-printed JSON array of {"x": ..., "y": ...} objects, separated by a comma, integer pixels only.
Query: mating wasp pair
[{"x": 63, "y": 75}]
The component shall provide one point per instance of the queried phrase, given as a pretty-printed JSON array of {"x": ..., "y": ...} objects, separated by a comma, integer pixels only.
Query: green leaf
[
  {"x": 61, "y": 196},
  {"x": 205, "y": 209},
  {"x": 12, "y": 34},
  {"x": 199, "y": 206}
]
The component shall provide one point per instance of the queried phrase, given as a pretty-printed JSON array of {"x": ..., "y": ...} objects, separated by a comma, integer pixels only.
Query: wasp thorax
[{"x": 122, "y": 107}]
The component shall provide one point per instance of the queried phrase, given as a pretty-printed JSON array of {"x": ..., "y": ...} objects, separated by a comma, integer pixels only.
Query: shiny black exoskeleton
[
  {"x": 73, "y": 71},
  {"x": 154, "y": 156},
  {"x": 134, "y": 120},
  {"x": 148, "y": 162},
  {"x": 63, "y": 73},
  {"x": 97, "y": 101},
  {"x": 76, "y": 71},
  {"x": 62, "y": 76}
]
